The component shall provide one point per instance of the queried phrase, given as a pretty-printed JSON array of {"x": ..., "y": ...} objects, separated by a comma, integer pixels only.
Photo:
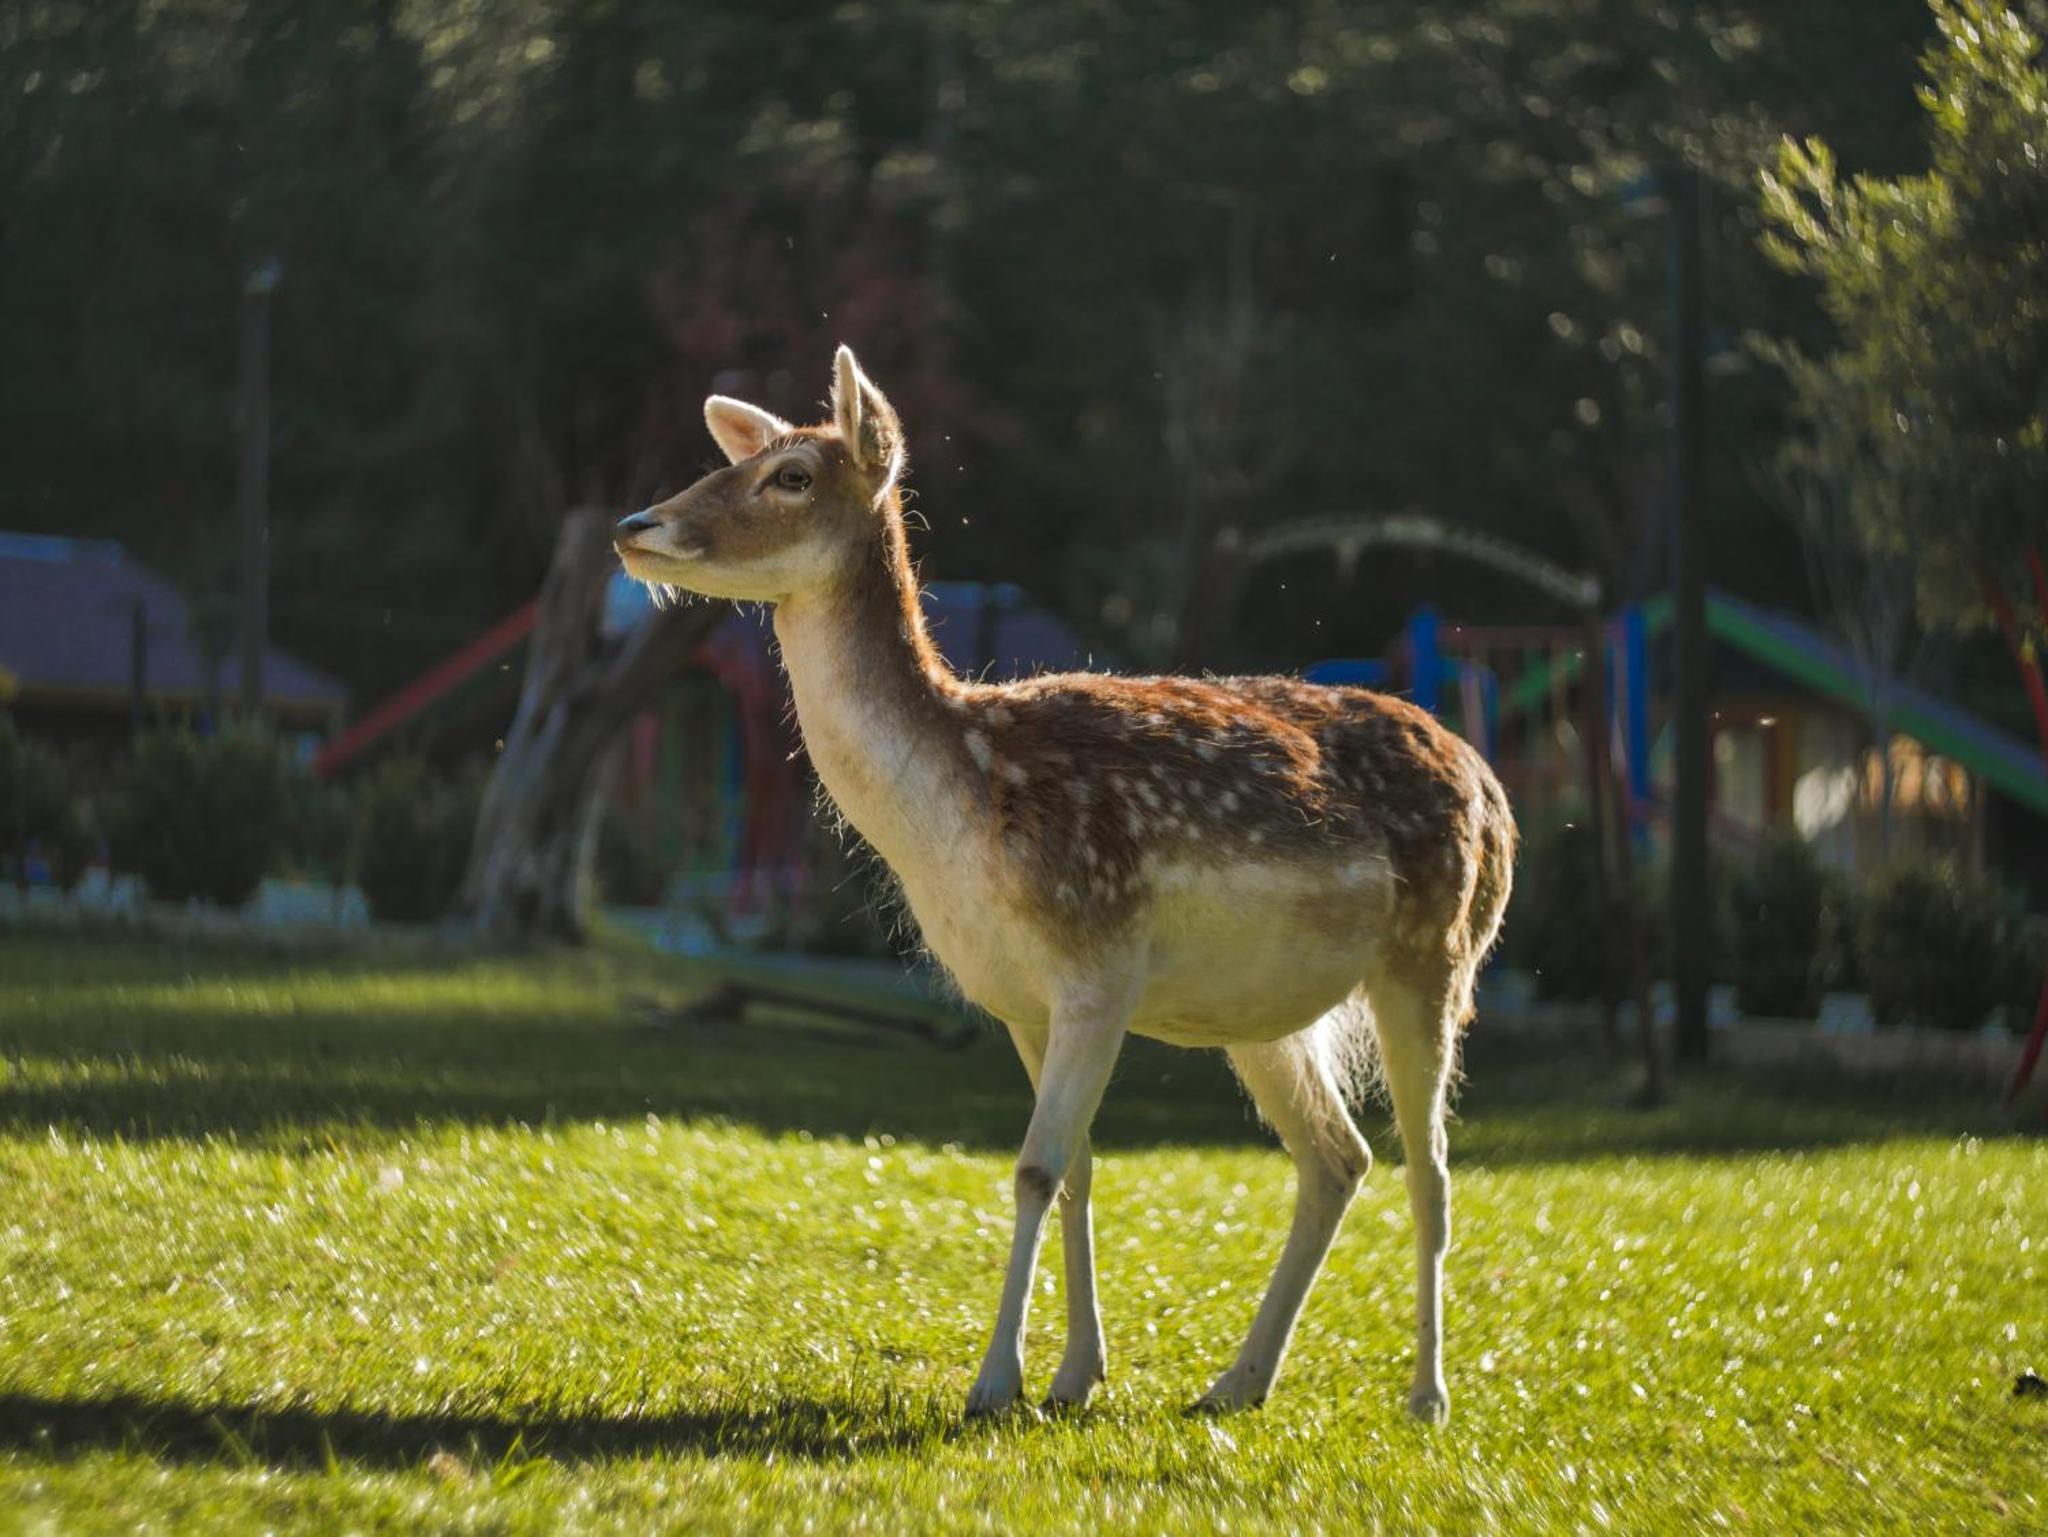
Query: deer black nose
[{"x": 639, "y": 522}]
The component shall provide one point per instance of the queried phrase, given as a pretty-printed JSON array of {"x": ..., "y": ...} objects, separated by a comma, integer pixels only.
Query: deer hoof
[
  {"x": 1233, "y": 1392},
  {"x": 1072, "y": 1384},
  {"x": 1429, "y": 1403},
  {"x": 998, "y": 1390}
]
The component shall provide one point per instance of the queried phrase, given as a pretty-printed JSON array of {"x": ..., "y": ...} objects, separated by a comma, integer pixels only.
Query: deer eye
[{"x": 793, "y": 477}]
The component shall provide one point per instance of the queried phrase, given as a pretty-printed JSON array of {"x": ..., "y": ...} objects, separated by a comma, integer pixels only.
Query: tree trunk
[
  {"x": 531, "y": 860},
  {"x": 2029, "y": 664}
]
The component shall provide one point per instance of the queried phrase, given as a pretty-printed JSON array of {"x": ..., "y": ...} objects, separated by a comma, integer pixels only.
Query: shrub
[
  {"x": 1937, "y": 946},
  {"x": 1556, "y": 927},
  {"x": 412, "y": 840},
  {"x": 42, "y": 819},
  {"x": 1787, "y": 929},
  {"x": 627, "y": 869},
  {"x": 201, "y": 816},
  {"x": 2025, "y": 966},
  {"x": 846, "y": 908},
  {"x": 320, "y": 828}
]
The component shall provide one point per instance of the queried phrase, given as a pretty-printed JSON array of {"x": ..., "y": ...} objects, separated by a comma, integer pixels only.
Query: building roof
[{"x": 66, "y": 628}]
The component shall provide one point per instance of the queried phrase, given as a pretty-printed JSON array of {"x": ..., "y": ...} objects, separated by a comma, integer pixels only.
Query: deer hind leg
[
  {"x": 1417, "y": 1019},
  {"x": 1296, "y": 1092},
  {"x": 1086, "y": 1361}
]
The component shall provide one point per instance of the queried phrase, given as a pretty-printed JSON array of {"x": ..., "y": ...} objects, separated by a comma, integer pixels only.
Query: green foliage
[
  {"x": 41, "y": 815},
  {"x": 520, "y": 240},
  {"x": 2024, "y": 972},
  {"x": 848, "y": 907},
  {"x": 1788, "y": 929},
  {"x": 628, "y": 870},
  {"x": 493, "y": 1256},
  {"x": 1939, "y": 947},
  {"x": 413, "y": 830},
  {"x": 1929, "y": 411},
  {"x": 320, "y": 824},
  {"x": 1557, "y": 926},
  {"x": 200, "y": 816}
]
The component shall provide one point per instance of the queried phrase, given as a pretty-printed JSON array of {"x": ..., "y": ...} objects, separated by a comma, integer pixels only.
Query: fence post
[{"x": 1425, "y": 659}]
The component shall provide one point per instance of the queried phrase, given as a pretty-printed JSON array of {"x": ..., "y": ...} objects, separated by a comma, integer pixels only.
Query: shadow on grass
[
  {"x": 489, "y": 1446},
  {"x": 299, "y": 1061},
  {"x": 266, "y": 1048}
]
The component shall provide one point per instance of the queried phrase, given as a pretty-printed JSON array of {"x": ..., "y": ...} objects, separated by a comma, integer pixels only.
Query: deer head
[{"x": 793, "y": 510}]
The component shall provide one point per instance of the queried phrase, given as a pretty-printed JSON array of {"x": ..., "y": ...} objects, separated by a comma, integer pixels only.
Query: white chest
[
  {"x": 907, "y": 797},
  {"x": 952, "y": 879}
]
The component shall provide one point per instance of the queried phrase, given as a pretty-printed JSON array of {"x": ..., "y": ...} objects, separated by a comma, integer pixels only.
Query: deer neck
[{"x": 873, "y": 700}]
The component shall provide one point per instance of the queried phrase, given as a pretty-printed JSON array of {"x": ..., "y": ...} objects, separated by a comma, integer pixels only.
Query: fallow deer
[{"x": 1306, "y": 877}]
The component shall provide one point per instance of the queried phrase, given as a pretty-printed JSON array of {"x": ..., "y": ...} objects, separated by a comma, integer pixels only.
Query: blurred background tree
[
  {"x": 523, "y": 240},
  {"x": 1931, "y": 408}
]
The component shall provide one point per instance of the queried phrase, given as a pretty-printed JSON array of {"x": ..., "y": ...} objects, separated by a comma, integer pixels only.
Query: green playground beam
[
  {"x": 1823, "y": 677},
  {"x": 1531, "y": 690}
]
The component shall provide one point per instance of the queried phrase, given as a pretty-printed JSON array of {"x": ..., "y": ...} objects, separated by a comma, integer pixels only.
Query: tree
[
  {"x": 1932, "y": 408},
  {"x": 531, "y": 859}
]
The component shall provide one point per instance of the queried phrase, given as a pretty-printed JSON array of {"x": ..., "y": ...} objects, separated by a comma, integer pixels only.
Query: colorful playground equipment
[
  {"x": 1512, "y": 690},
  {"x": 1509, "y": 691}
]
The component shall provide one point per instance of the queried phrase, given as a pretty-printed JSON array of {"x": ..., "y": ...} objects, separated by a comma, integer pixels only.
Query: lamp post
[
  {"x": 257, "y": 288},
  {"x": 1675, "y": 193},
  {"x": 1690, "y": 915}
]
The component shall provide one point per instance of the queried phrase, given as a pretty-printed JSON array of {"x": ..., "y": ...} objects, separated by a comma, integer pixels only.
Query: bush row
[
  {"x": 206, "y": 818},
  {"x": 1930, "y": 942},
  {"x": 46, "y": 831}
]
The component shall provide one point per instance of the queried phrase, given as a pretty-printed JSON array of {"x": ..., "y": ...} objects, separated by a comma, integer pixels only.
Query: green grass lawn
[{"x": 453, "y": 1242}]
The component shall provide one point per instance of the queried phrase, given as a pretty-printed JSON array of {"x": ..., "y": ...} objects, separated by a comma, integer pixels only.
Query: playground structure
[
  {"x": 1509, "y": 690},
  {"x": 1478, "y": 675},
  {"x": 1546, "y": 703},
  {"x": 1516, "y": 693}
]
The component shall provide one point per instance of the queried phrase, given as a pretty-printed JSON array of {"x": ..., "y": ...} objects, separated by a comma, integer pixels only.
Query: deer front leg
[
  {"x": 1080, "y": 1051},
  {"x": 1086, "y": 1361}
]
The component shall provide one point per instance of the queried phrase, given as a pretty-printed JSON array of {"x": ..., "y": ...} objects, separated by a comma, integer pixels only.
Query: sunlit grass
[{"x": 474, "y": 1243}]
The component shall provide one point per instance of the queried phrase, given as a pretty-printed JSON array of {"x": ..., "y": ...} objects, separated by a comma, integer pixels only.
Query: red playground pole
[{"x": 426, "y": 688}]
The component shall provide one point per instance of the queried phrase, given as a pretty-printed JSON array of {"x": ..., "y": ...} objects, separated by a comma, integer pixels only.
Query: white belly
[
  {"x": 1251, "y": 953},
  {"x": 1257, "y": 952}
]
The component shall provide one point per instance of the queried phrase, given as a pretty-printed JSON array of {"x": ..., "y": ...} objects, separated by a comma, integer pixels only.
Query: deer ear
[
  {"x": 740, "y": 429},
  {"x": 867, "y": 422}
]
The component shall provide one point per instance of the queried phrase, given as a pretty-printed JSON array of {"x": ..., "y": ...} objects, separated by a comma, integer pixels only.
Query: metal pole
[
  {"x": 255, "y": 497},
  {"x": 1425, "y": 659},
  {"x": 1634, "y": 971},
  {"x": 138, "y": 664},
  {"x": 1690, "y": 920},
  {"x": 1599, "y": 786}
]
